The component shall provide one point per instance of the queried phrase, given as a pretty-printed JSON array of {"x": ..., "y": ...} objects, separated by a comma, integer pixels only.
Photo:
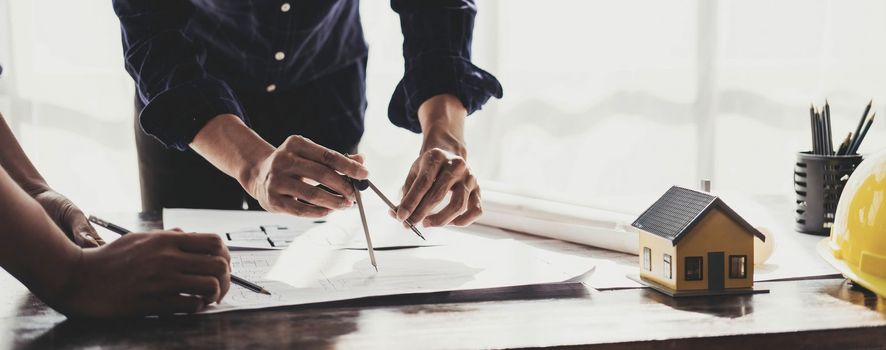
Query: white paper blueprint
[
  {"x": 244, "y": 229},
  {"x": 308, "y": 272}
]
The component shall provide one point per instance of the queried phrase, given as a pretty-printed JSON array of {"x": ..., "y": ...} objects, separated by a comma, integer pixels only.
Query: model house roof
[{"x": 679, "y": 209}]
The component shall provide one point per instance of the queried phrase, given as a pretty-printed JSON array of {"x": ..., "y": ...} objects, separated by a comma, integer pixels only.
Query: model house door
[{"x": 716, "y": 268}]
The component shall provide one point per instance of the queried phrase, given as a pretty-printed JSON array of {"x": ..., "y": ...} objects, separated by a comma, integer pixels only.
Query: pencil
[
  {"x": 249, "y": 285},
  {"x": 828, "y": 138},
  {"x": 860, "y": 124},
  {"x": 816, "y": 132},
  {"x": 122, "y": 231},
  {"x": 864, "y": 133},
  {"x": 844, "y": 146},
  {"x": 812, "y": 128},
  {"x": 393, "y": 207}
]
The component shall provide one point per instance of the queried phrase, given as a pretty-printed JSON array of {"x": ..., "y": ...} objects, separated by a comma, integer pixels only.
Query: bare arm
[
  {"x": 61, "y": 210},
  {"x": 139, "y": 274},
  {"x": 441, "y": 169},
  {"x": 34, "y": 250},
  {"x": 280, "y": 178},
  {"x": 17, "y": 164}
]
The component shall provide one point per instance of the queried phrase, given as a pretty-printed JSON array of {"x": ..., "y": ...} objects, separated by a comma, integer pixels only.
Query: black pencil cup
[{"x": 818, "y": 182}]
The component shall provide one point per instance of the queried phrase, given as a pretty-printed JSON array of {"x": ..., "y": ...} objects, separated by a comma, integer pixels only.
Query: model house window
[
  {"x": 647, "y": 259},
  {"x": 694, "y": 268},
  {"x": 738, "y": 266},
  {"x": 666, "y": 268}
]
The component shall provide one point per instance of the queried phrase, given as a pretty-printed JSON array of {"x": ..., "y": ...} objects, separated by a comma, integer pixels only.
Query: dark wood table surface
[{"x": 821, "y": 313}]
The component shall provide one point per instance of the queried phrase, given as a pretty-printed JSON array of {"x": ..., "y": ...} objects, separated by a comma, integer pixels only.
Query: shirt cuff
[
  {"x": 431, "y": 76},
  {"x": 176, "y": 115}
]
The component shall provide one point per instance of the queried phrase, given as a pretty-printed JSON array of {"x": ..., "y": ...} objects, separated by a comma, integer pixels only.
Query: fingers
[
  {"x": 208, "y": 265},
  {"x": 424, "y": 179},
  {"x": 207, "y": 287},
  {"x": 290, "y": 205},
  {"x": 202, "y": 243},
  {"x": 356, "y": 157},
  {"x": 454, "y": 170},
  {"x": 84, "y": 234},
  {"x": 410, "y": 178},
  {"x": 473, "y": 211},
  {"x": 213, "y": 266},
  {"x": 296, "y": 188},
  {"x": 308, "y": 149},
  {"x": 458, "y": 203},
  {"x": 83, "y": 240}
]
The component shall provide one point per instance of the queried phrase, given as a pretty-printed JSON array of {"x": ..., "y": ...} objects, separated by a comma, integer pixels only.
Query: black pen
[{"x": 234, "y": 279}]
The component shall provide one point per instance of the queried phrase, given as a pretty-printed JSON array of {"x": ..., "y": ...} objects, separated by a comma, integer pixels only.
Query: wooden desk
[{"x": 820, "y": 313}]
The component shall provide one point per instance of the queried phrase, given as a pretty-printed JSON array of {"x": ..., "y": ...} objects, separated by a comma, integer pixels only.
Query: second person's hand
[
  {"x": 69, "y": 218},
  {"x": 154, "y": 273}
]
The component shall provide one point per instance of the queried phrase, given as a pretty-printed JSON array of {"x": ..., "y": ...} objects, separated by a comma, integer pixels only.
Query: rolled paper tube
[{"x": 763, "y": 249}]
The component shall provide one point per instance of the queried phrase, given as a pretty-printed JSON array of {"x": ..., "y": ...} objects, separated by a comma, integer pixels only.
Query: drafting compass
[{"x": 360, "y": 185}]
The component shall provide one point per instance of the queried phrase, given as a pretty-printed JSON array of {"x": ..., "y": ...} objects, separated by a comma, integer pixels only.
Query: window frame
[
  {"x": 647, "y": 258},
  {"x": 744, "y": 267},
  {"x": 667, "y": 266},
  {"x": 686, "y": 264}
]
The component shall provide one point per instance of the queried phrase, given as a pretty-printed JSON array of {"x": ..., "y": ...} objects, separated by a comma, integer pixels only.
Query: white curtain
[{"x": 604, "y": 100}]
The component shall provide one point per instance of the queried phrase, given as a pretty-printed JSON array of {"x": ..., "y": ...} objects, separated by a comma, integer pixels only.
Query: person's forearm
[
  {"x": 17, "y": 164},
  {"x": 232, "y": 147},
  {"x": 442, "y": 119},
  {"x": 34, "y": 250}
]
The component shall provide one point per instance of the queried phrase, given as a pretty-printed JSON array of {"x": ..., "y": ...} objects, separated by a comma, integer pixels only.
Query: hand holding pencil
[
  {"x": 157, "y": 273},
  {"x": 233, "y": 278}
]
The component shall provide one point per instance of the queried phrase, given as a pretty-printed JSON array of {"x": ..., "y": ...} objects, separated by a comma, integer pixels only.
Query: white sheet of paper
[
  {"x": 308, "y": 272},
  {"x": 340, "y": 229}
]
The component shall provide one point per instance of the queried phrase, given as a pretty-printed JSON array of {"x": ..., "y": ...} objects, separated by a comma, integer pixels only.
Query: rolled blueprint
[{"x": 568, "y": 222}]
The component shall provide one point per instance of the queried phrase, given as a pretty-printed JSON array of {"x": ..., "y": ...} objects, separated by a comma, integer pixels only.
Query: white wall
[{"x": 602, "y": 98}]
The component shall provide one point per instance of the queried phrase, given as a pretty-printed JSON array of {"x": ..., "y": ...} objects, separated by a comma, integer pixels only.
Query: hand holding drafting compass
[{"x": 360, "y": 185}]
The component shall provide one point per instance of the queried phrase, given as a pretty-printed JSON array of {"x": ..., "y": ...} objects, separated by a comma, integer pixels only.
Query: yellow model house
[{"x": 691, "y": 243}]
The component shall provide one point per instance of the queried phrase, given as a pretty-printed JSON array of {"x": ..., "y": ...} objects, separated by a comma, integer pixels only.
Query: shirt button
[
  {"x": 279, "y": 56},
  {"x": 271, "y": 88},
  {"x": 285, "y": 7}
]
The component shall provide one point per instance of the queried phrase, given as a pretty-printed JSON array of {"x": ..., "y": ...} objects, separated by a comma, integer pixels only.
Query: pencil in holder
[{"x": 818, "y": 182}]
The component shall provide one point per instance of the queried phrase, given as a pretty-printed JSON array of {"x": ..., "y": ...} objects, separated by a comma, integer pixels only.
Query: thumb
[
  {"x": 356, "y": 157},
  {"x": 84, "y": 234}
]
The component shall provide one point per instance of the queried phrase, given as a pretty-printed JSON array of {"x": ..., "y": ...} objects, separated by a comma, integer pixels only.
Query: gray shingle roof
[{"x": 679, "y": 209}]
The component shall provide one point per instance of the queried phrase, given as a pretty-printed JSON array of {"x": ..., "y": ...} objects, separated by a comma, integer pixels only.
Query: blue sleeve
[
  {"x": 437, "y": 51},
  {"x": 178, "y": 94}
]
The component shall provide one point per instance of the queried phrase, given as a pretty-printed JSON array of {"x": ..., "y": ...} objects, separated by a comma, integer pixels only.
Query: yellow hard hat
[{"x": 857, "y": 244}]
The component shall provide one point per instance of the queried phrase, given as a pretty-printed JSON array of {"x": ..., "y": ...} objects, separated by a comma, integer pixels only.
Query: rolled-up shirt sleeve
[
  {"x": 437, "y": 51},
  {"x": 178, "y": 95}
]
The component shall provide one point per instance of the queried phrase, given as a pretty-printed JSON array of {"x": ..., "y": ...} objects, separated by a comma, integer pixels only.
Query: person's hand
[
  {"x": 69, "y": 218},
  {"x": 440, "y": 170},
  {"x": 433, "y": 175},
  {"x": 157, "y": 273},
  {"x": 285, "y": 180}
]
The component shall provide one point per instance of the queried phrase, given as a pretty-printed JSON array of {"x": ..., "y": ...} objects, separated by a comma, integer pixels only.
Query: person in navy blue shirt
[{"x": 253, "y": 103}]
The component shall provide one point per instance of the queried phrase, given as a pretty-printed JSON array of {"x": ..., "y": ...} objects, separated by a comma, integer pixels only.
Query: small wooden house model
[{"x": 692, "y": 243}]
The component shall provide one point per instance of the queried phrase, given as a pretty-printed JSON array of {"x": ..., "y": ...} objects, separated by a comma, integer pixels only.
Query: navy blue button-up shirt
[{"x": 194, "y": 59}]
